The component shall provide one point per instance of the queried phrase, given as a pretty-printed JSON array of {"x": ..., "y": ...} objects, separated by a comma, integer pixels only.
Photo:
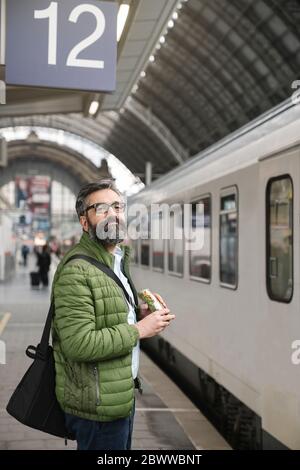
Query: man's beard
[{"x": 110, "y": 231}]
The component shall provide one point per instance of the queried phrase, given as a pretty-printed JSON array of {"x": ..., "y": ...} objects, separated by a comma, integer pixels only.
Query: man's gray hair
[{"x": 87, "y": 189}]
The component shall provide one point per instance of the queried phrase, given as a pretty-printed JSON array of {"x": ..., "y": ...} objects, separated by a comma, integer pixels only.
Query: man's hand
[
  {"x": 154, "y": 323},
  {"x": 144, "y": 310},
  {"x": 161, "y": 300}
]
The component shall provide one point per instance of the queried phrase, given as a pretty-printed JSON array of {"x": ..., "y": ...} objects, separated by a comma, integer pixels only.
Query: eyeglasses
[{"x": 103, "y": 207}]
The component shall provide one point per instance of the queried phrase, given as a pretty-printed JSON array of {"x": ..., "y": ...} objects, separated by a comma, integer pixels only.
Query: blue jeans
[{"x": 98, "y": 435}]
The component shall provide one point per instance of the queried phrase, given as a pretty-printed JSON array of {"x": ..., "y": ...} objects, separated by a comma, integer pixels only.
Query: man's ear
[{"x": 84, "y": 223}]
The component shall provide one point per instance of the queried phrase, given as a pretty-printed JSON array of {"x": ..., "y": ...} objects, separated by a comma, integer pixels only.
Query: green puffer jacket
[{"x": 91, "y": 338}]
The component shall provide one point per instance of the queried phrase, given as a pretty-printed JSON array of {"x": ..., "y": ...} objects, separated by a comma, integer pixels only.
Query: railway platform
[{"x": 165, "y": 419}]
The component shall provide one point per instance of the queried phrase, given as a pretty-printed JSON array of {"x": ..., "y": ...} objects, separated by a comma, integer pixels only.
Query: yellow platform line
[{"x": 4, "y": 321}]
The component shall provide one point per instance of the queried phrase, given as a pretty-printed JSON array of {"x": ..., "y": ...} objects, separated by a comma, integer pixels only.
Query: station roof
[{"x": 215, "y": 65}]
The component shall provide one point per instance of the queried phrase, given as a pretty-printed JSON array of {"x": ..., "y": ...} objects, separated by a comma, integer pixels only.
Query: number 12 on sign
[{"x": 51, "y": 13}]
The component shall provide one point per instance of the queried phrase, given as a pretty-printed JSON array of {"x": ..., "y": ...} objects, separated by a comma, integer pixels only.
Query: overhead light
[
  {"x": 94, "y": 107},
  {"x": 162, "y": 39},
  {"x": 143, "y": 74},
  {"x": 175, "y": 15},
  {"x": 171, "y": 24},
  {"x": 152, "y": 58},
  {"x": 122, "y": 18}
]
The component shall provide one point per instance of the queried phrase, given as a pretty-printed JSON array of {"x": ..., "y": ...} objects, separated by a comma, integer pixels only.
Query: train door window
[
  {"x": 200, "y": 258},
  {"x": 279, "y": 221},
  {"x": 176, "y": 242},
  {"x": 228, "y": 238},
  {"x": 157, "y": 242},
  {"x": 145, "y": 239}
]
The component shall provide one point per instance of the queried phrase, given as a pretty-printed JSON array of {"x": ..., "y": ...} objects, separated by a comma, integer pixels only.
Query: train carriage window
[
  {"x": 279, "y": 221},
  {"x": 145, "y": 240},
  {"x": 157, "y": 242},
  {"x": 200, "y": 258},
  {"x": 228, "y": 238},
  {"x": 176, "y": 243}
]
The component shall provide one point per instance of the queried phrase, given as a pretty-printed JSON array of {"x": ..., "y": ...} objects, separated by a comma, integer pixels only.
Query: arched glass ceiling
[
  {"x": 125, "y": 180},
  {"x": 218, "y": 65}
]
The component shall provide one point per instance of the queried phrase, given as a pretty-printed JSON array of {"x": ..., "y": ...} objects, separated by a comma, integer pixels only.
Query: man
[
  {"x": 95, "y": 334},
  {"x": 25, "y": 252},
  {"x": 44, "y": 262}
]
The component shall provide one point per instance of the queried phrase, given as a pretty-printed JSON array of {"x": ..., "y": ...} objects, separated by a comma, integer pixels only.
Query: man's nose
[{"x": 111, "y": 208}]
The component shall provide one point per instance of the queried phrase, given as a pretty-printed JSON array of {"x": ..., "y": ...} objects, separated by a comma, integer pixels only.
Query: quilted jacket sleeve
[{"x": 74, "y": 322}]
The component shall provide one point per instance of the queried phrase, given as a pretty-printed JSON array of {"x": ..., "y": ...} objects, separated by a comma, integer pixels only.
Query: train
[{"x": 236, "y": 295}]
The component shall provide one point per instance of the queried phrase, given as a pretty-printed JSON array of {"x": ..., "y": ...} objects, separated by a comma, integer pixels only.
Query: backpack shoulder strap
[{"x": 109, "y": 272}]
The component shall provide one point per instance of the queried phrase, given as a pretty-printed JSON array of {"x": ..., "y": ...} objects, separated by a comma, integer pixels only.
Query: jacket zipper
[{"x": 96, "y": 375}]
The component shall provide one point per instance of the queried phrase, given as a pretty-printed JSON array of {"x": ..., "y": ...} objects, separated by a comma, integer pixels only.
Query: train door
[{"x": 279, "y": 297}]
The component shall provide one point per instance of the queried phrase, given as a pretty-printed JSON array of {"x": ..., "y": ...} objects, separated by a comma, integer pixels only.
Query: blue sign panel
[{"x": 69, "y": 44}]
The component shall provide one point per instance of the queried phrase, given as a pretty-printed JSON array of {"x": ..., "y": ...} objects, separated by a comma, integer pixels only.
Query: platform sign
[{"x": 68, "y": 44}]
